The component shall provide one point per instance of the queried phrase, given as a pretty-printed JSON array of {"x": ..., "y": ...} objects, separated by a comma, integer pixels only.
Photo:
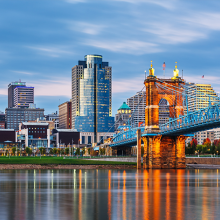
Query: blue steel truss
[{"x": 203, "y": 119}]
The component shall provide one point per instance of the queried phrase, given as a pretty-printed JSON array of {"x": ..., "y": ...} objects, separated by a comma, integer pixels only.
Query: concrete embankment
[
  {"x": 203, "y": 160},
  {"x": 189, "y": 160}
]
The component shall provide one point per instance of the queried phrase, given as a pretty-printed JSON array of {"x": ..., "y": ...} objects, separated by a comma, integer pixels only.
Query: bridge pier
[{"x": 164, "y": 152}]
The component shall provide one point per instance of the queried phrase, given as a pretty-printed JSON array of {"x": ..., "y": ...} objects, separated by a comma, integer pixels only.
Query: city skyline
[{"x": 40, "y": 44}]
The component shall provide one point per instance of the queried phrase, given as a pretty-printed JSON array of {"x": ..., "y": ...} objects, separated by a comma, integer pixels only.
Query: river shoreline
[
  {"x": 90, "y": 167},
  {"x": 61, "y": 167}
]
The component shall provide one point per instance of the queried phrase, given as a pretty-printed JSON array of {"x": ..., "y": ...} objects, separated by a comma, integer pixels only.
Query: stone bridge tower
[{"x": 163, "y": 151}]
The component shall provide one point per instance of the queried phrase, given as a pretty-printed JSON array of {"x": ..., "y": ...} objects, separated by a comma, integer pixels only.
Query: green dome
[{"x": 124, "y": 106}]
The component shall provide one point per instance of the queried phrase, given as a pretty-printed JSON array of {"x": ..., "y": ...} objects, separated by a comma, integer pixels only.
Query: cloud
[
  {"x": 23, "y": 72},
  {"x": 127, "y": 85},
  {"x": 169, "y": 34},
  {"x": 206, "y": 80},
  {"x": 4, "y": 91},
  {"x": 50, "y": 51},
  {"x": 75, "y": 1},
  {"x": 209, "y": 21},
  {"x": 55, "y": 87},
  {"x": 168, "y": 4},
  {"x": 87, "y": 28},
  {"x": 127, "y": 46}
]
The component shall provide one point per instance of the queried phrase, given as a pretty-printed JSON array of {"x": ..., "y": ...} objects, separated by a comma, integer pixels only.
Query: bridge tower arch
[{"x": 163, "y": 151}]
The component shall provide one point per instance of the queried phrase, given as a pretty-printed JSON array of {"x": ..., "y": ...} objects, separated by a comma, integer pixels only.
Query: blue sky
[{"x": 40, "y": 41}]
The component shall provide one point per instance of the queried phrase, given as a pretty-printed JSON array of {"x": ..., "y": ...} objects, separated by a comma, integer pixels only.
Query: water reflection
[{"x": 109, "y": 194}]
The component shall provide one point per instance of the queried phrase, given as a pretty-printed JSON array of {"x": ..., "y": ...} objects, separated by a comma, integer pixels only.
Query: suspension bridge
[{"x": 164, "y": 144}]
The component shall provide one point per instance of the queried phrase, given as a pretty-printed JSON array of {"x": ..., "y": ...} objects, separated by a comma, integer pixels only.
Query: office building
[
  {"x": 92, "y": 96},
  {"x": 65, "y": 115},
  {"x": 200, "y": 96},
  {"x": 122, "y": 116},
  {"x": 66, "y": 137},
  {"x": 34, "y": 135},
  {"x": 88, "y": 138},
  {"x": 137, "y": 103},
  {"x": 51, "y": 124},
  {"x": 14, "y": 116},
  {"x": 164, "y": 111},
  {"x": 23, "y": 96},
  {"x": 53, "y": 117},
  {"x": 202, "y": 135},
  {"x": 2, "y": 120},
  {"x": 11, "y": 88}
]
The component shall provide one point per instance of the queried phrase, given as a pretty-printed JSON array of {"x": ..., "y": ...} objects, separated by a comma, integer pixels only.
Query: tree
[
  {"x": 89, "y": 150},
  {"x": 55, "y": 150},
  {"x": 51, "y": 151},
  {"x": 102, "y": 151},
  {"x": 66, "y": 150},
  {"x": 216, "y": 142},
  {"x": 77, "y": 151},
  {"x": 212, "y": 149},
  {"x": 83, "y": 150},
  {"x": 207, "y": 142},
  {"x": 27, "y": 149},
  {"x": 42, "y": 150},
  {"x": 193, "y": 144},
  {"x": 30, "y": 151},
  {"x": 13, "y": 150},
  {"x": 58, "y": 151},
  {"x": 62, "y": 151},
  {"x": 199, "y": 148}
]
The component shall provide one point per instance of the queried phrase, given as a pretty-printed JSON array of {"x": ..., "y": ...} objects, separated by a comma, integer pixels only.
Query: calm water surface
[{"x": 109, "y": 194}]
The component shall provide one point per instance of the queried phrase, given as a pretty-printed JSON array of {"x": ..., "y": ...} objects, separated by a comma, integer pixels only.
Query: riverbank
[
  {"x": 89, "y": 167},
  {"x": 61, "y": 167}
]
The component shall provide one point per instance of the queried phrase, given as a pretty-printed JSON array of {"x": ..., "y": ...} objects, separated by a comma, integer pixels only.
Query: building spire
[
  {"x": 175, "y": 72},
  {"x": 151, "y": 69}
]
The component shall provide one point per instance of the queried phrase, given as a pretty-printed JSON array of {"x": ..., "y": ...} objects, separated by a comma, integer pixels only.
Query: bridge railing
[
  {"x": 126, "y": 135},
  {"x": 202, "y": 116}
]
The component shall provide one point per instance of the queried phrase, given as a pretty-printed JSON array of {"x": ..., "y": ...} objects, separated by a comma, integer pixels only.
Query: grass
[{"x": 58, "y": 160}]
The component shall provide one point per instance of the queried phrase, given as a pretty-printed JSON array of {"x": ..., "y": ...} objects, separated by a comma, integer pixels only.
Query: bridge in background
[{"x": 164, "y": 145}]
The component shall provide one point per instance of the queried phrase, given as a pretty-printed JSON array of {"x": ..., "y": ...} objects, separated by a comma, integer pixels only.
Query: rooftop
[
  {"x": 124, "y": 106},
  {"x": 32, "y": 123}
]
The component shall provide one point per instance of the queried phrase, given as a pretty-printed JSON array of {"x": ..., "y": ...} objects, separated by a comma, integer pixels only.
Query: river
[{"x": 109, "y": 194}]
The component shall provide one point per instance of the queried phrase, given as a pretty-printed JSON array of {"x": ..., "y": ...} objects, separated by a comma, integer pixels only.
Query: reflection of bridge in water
[{"x": 164, "y": 145}]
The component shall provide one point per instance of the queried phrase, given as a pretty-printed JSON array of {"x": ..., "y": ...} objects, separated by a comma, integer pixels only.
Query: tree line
[{"x": 207, "y": 147}]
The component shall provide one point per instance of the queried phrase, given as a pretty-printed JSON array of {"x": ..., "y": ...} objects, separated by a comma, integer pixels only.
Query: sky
[{"x": 40, "y": 42}]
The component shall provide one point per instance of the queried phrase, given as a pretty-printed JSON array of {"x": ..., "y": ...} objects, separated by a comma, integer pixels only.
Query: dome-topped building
[{"x": 122, "y": 116}]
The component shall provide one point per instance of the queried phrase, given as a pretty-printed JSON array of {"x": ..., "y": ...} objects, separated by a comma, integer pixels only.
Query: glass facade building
[{"x": 92, "y": 96}]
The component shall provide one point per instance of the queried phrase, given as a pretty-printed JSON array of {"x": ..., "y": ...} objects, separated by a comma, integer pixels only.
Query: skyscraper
[
  {"x": 23, "y": 96},
  {"x": 92, "y": 96},
  {"x": 11, "y": 88},
  {"x": 65, "y": 115},
  {"x": 137, "y": 103},
  {"x": 200, "y": 96}
]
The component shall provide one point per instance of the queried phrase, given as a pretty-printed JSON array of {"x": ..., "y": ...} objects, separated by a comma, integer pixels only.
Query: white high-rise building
[
  {"x": 201, "y": 96},
  {"x": 137, "y": 103}
]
